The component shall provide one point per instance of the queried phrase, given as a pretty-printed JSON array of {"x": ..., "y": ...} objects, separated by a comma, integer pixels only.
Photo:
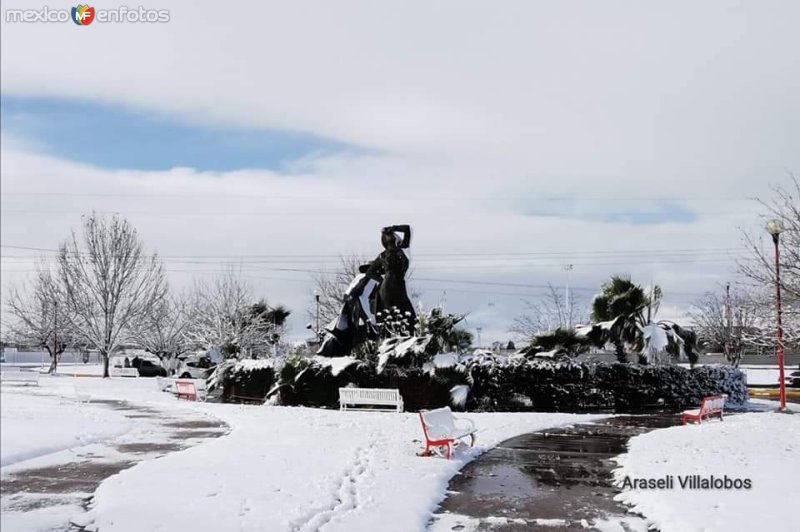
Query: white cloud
[{"x": 469, "y": 110}]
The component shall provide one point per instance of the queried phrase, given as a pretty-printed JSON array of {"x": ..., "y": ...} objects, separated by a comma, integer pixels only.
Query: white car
[{"x": 194, "y": 368}]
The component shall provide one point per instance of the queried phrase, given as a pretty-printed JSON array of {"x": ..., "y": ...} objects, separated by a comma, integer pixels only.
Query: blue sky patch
[{"x": 116, "y": 136}]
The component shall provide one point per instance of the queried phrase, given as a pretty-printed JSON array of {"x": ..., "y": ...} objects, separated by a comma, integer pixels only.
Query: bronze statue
[
  {"x": 376, "y": 303},
  {"x": 389, "y": 271}
]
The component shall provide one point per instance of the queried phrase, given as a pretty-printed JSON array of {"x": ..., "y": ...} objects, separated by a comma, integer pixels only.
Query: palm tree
[
  {"x": 560, "y": 342},
  {"x": 619, "y": 309}
]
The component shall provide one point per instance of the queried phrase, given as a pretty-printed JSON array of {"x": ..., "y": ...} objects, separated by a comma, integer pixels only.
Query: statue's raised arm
[{"x": 405, "y": 230}]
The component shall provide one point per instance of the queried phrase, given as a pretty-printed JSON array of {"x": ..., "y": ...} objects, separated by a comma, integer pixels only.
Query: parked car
[
  {"x": 147, "y": 368},
  {"x": 793, "y": 379},
  {"x": 194, "y": 368}
]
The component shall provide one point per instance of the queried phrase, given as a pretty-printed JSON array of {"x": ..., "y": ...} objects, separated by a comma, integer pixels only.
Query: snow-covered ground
[
  {"x": 36, "y": 425},
  {"x": 64, "y": 368},
  {"x": 761, "y": 375},
  {"x": 762, "y": 448},
  {"x": 278, "y": 469}
]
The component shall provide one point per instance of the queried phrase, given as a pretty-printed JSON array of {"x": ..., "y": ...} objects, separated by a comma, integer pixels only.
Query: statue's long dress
[{"x": 391, "y": 267}]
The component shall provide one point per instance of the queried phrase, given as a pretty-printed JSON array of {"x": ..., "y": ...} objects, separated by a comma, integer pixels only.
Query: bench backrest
[
  {"x": 19, "y": 376},
  {"x": 711, "y": 404},
  {"x": 438, "y": 423},
  {"x": 369, "y": 395},
  {"x": 185, "y": 387}
]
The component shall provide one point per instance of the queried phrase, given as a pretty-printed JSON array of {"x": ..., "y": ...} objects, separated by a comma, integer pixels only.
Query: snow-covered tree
[
  {"x": 37, "y": 319},
  {"x": 760, "y": 267},
  {"x": 624, "y": 316},
  {"x": 558, "y": 343},
  {"x": 549, "y": 313},
  {"x": 724, "y": 321},
  {"x": 162, "y": 332},
  {"x": 226, "y": 315},
  {"x": 762, "y": 334},
  {"x": 619, "y": 312},
  {"x": 108, "y": 282}
]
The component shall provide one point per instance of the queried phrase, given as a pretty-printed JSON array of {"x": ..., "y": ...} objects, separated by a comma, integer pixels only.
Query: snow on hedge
[
  {"x": 251, "y": 365},
  {"x": 337, "y": 364},
  {"x": 763, "y": 448}
]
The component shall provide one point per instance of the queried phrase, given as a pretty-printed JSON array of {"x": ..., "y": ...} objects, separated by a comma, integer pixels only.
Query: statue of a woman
[
  {"x": 375, "y": 298},
  {"x": 389, "y": 271}
]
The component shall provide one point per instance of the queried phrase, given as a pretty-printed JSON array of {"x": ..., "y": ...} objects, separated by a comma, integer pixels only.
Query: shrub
[
  {"x": 247, "y": 381},
  {"x": 496, "y": 384}
]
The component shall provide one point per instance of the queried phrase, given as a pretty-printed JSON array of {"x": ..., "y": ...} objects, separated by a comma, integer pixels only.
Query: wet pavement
[
  {"x": 71, "y": 484},
  {"x": 557, "y": 479}
]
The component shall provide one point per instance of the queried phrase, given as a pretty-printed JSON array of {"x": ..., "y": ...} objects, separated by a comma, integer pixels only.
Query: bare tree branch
[
  {"x": 37, "y": 317},
  {"x": 548, "y": 314},
  {"x": 108, "y": 282}
]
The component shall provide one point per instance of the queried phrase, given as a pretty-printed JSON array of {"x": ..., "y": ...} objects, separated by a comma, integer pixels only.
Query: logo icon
[{"x": 83, "y": 15}]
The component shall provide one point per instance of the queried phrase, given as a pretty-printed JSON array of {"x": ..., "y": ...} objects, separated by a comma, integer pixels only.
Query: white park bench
[
  {"x": 81, "y": 395},
  {"x": 441, "y": 430},
  {"x": 387, "y": 399},
  {"x": 28, "y": 378},
  {"x": 709, "y": 406},
  {"x": 123, "y": 372}
]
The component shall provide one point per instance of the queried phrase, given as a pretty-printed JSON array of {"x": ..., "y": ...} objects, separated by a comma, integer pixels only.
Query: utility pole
[
  {"x": 728, "y": 308},
  {"x": 316, "y": 296},
  {"x": 729, "y": 346},
  {"x": 480, "y": 344},
  {"x": 54, "y": 363},
  {"x": 567, "y": 308}
]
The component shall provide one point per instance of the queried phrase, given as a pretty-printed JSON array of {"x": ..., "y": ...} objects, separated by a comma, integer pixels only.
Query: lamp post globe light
[{"x": 775, "y": 228}]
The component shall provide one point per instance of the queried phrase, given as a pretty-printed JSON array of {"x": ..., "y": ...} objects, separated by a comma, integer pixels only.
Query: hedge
[{"x": 497, "y": 386}]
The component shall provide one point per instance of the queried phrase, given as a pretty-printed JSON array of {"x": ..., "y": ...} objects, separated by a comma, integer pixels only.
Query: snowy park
[{"x": 295, "y": 468}]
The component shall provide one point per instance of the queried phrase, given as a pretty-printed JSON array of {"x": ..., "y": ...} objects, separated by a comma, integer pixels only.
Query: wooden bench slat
[
  {"x": 370, "y": 397},
  {"x": 440, "y": 430},
  {"x": 713, "y": 405},
  {"x": 21, "y": 377}
]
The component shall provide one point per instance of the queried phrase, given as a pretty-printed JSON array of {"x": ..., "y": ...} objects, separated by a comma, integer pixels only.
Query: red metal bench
[
  {"x": 186, "y": 389},
  {"x": 709, "y": 407},
  {"x": 439, "y": 427}
]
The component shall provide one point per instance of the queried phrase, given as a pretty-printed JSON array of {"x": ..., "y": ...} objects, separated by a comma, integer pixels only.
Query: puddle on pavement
[
  {"x": 195, "y": 425},
  {"x": 144, "y": 448},
  {"x": 188, "y": 434},
  {"x": 558, "y": 474},
  {"x": 81, "y": 477}
]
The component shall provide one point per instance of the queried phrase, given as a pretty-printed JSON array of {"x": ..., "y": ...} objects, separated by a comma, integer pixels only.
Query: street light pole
[
  {"x": 316, "y": 296},
  {"x": 775, "y": 228},
  {"x": 567, "y": 308}
]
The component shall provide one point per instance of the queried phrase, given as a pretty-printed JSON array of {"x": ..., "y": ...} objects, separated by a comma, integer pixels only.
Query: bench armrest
[
  {"x": 470, "y": 425},
  {"x": 441, "y": 429}
]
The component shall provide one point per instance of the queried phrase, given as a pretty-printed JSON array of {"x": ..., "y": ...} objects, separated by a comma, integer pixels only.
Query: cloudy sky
[{"x": 515, "y": 137}]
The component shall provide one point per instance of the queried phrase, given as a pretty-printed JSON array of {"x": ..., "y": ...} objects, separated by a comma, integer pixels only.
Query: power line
[
  {"x": 416, "y": 254},
  {"x": 348, "y": 213},
  {"x": 426, "y": 197}
]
